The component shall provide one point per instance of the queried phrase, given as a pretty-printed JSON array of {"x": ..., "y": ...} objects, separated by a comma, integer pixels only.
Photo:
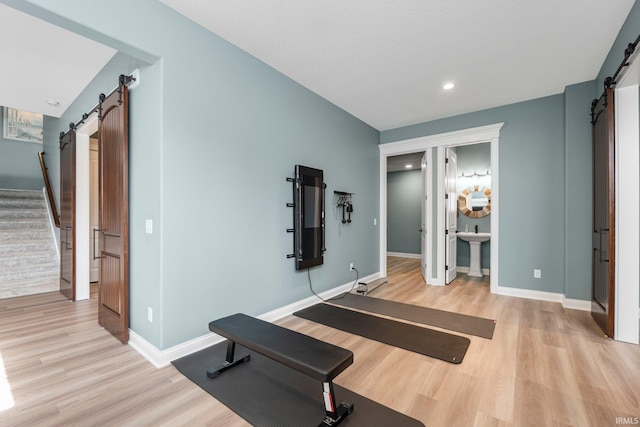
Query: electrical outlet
[
  {"x": 150, "y": 314},
  {"x": 537, "y": 274},
  {"x": 350, "y": 266}
]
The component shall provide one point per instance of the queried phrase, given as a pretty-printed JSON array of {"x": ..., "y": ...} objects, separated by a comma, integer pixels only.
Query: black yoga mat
[
  {"x": 471, "y": 325},
  {"x": 267, "y": 393},
  {"x": 443, "y": 346}
]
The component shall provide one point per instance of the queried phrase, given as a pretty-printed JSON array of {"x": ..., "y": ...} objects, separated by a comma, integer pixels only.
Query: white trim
[
  {"x": 463, "y": 269},
  {"x": 52, "y": 224},
  {"x": 81, "y": 245},
  {"x": 162, "y": 358},
  {"x": 383, "y": 216},
  {"x": 489, "y": 133},
  {"x": 455, "y": 138},
  {"x": 530, "y": 294},
  {"x": 83, "y": 253},
  {"x": 494, "y": 249},
  {"x": 627, "y": 244},
  {"x": 403, "y": 255},
  {"x": 576, "y": 304},
  {"x": 573, "y": 304}
]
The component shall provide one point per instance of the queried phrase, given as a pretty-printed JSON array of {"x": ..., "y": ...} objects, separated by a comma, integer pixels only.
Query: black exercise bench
[{"x": 315, "y": 358}]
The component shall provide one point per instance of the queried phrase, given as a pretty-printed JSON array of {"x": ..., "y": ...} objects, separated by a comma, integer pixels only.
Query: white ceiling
[
  {"x": 404, "y": 162},
  {"x": 43, "y": 62},
  {"x": 383, "y": 61}
]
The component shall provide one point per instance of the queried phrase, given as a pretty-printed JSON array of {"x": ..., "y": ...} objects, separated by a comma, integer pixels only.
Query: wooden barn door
[
  {"x": 603, "y": 277},
  {"x": 113, "y": 294},
  {"x": 67, "y": 214}
]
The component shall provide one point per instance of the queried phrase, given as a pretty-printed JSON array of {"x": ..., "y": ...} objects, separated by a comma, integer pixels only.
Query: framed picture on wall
[{"x": 22, "y": 125}]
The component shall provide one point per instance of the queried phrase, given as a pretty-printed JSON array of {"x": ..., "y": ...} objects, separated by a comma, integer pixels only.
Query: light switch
[{"x": 149, "y": 226}]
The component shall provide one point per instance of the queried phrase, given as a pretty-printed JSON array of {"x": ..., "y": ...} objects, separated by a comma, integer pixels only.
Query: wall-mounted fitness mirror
[{"x": 475, "y": 201}]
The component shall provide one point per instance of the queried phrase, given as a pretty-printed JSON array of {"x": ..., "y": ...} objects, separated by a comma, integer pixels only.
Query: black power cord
[{"x": 336, "y": 297}]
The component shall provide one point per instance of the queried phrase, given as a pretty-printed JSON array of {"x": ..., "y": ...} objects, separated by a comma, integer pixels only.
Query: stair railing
[{"x": 47, "y": 184}]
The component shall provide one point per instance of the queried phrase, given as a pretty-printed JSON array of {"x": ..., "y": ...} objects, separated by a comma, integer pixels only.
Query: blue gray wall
[
  {"x": 214, "y": 133},
  {"x": 403, "y": 211},
  {"x": 579, "y": 194},
  {"x": 19, "y": 165}
]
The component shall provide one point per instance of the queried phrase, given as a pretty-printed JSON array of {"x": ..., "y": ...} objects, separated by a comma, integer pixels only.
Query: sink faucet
[{"x": 476, "y": 228}]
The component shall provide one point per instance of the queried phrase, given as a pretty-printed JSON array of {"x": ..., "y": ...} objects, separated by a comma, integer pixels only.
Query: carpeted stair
[{"x": 29, "y": 263}]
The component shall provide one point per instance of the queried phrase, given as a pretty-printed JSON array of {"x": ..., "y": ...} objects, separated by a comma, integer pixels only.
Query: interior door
[
  {"x": 94, "y": 216},
  {"x": 67, "y": 214},
  {"x": 423, "y": 218},
  {"x": 603, "y": 275},
  {"x": 451, "y": 215},
  {"x": 113, "y": 292}
]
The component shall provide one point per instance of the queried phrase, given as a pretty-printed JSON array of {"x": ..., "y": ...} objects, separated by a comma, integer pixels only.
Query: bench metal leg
[
  {"x": 333, "y": 414},
  {"x": 229, "y": 362}
]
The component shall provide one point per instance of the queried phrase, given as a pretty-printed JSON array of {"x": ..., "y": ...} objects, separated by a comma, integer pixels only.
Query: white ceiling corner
[
  {"x": 385, "y": 62},
  {"x": 44, "y": 62}
]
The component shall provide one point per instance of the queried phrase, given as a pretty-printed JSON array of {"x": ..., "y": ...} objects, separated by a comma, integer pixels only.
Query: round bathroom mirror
[{"x": 475, "y": 201}]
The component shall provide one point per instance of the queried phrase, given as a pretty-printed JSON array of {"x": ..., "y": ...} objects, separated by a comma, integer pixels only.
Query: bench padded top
[{"x": 315, "y": 358}]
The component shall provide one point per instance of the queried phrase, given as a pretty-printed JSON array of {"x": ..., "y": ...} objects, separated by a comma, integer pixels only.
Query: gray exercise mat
[
  {"x": 471, "y": 325},
  {"x": 267, "y": 393},
  {"x": 441, "y": 345}
]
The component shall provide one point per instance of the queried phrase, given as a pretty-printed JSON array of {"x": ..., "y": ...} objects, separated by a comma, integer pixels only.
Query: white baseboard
[
  {"x": 485, "y": 271},
  {"x": 574, "y": 304},
  {"x": 404, "y": 255},
  {"x": 161, "y": 358}
]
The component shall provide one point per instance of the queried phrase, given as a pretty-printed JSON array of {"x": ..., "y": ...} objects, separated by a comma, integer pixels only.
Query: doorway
[
  {"x": 94, "y": 206},
  {"x": 85, "y": 208},
  {"x": 491, "y": 134}
]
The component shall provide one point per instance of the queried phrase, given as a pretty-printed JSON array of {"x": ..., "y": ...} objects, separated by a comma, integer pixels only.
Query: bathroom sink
[
  {"x": 474, "y": 240},
  {"x": 469, "y": 236}
]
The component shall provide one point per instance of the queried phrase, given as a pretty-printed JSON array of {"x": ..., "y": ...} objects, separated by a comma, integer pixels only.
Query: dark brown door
[
  {"x": 603, "y": 278},
  {"x": 113, "y": 291},
  {"x": 67, "y": 214}
]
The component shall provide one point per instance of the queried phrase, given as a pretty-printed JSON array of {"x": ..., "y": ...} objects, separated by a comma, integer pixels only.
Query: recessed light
[
  {"x": 408, "y": 166},
  {"x": 53, "y": 102},
  {"x": 448, "y": 86}
]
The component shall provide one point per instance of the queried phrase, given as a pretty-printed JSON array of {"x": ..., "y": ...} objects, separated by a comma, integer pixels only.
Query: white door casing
[{"x": 94, "y": 218}]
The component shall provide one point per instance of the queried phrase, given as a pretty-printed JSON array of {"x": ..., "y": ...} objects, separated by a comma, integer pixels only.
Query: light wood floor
[{"x": 544, "y": 366}]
